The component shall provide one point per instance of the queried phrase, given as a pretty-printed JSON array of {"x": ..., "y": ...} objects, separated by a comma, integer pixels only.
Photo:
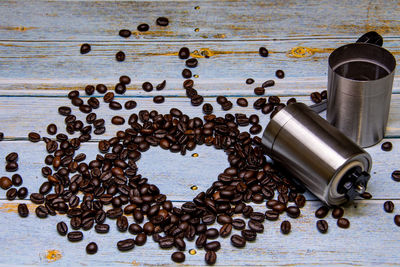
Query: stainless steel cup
[{"x": 360, "y": 79}]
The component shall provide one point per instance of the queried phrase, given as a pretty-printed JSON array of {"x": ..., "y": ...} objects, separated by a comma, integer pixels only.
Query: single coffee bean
[
  {"x": 396, "y": 175},
  {"x": 166, "y": 242},
  {"x": 62, "y": 228},
  {"x": 249, "y": 235},
  {"x": 316, "y": 97},
  {"x": 11, "y": 193},
  {"x": 343, "y": 223},
  {"x": 5, "y": 183},
  {"x": 158, "y": 99},
  {"x": 300, "y": 201},
  {"x": 147, "y": 87},
  {"x": 162, "y": 21},
  {"x": 263, "y": 51},
  {"x": 397, "y": 220},
  {"x": 271, "y": 215},
  {"x": 13, "y": 156},
  {"x": 324, "y": 94},
  {"x": 337, "y": 212},
  {"x": 188, "y": 84},
  {"x": 85, "y": 48},
  {"x": 120, "y": 56},
  {"x": 224, "y": 219},
  {"x": 207, "y": 108},
  {"x": 148, "y": 228},
  {"x": 131, "y": 104},
  {"x": 65, "y": 111},
  {"x": 285, "y": 227},
  {"x": 256, "y": 226},
  {"x": 210, "y": 257},
  {"x": 268, "y": 83},
  {"x": 212, "y": 246},
  {"x": 388, "y": 206},
  {"x": 259, "y": 103},
  {"x": 143, "y": 27},
  {"x": 11, "y": 167},
  {"x": 280, "y": 74},
  {"x": 366, "y": 195},
  {"x": 212, "y": 233},
  {"x": 291, "y": 101},
  {"x": 161, "y": 86},
  {"x": 321, "y": 212},
  {"x": 225, "y": 230},
  {"x": 387, "y": 146},
  {"x": 37, "y": 198},
  {"x": 227, "y": 106},
  {"x": 197, "y": 100},
  {"x": 91, "y": 248},
  {"x": 125, "y": 245},
  {"x": 221, "y": 99},
  {"x": 102, "y": 228},
  {"x": 184, "y": 53},
  {"x": 255, "y": 129},
  {"x": 75, "y": 236},
  {"x": 117, "y": 120},
  {"x": 89, "y": 89},
  {"x": 122, "y": 223},
  {"x": 41, "y": 211},
  {"x": 120, "y": 88},
  {"x": 141, "y": 239},
  {"x": 293, "y": 212},
  {"x": 52, "y": 129},
  {"x": 125, "y": 33},
  {"x": 322, "y": 226},
  {"x": 34, "y": 137},
  {"x": 191, "y": 63},
  {"x": 238, "y": 241},
  {"x": 178, "y": 256},
  {"x": 242, "y": 102},
  {"x": 22, "y": 192},
  {"x": 249, "y": 81},
  {"x": 186, "y": 73},
  {"x": 23, "y": 210},
  {"x": 114, "y": 105},
  {"x": 101, "y": 88},
  {"x": 259, "y": 90}
]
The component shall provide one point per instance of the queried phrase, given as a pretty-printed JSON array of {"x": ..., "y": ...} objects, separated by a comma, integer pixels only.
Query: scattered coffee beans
[
  {"x": 343, "y": 223},
  {"x": 143, "y": 27},
  {"x": 162, "y": 21},
  {"x": 249, "y": 81},
  {"x": 280, "y": 74},
  {"x": 263, "y": 52},
  {"x": 387, "y": 146},
  {"x": 388, "y": 206},
  {"x": 178, "y": 257},
  {"x": 125, "y": 33},
  {"x": 120, "y": 56},
  {"x": 85, "y": 48},
  {"x": 322, "y": 226}
]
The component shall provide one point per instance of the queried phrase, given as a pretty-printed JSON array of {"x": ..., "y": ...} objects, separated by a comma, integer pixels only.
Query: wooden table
[{"x": 40, "y": 63}]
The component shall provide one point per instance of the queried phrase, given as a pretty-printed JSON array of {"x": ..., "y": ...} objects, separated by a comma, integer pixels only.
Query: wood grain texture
[
  {"x": 216, "y": 20},
  {"x": 53, "y": 68},
  {"x": 34, "y": 241}
]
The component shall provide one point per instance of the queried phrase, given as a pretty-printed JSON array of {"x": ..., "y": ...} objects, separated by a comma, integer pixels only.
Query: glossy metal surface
[
  {"x": 312, "y": 150},
  {"x": 359, "y": 94}
]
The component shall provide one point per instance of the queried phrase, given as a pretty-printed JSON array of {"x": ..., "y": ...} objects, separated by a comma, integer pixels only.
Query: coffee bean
[
  {"x": 197, "y": 100},
  {"x": 120, "y": 88},
  {"x": 166, "y": 242},
  {"x": 212, "y": 246},
  {"x": 148, "y": 228},
  {"x": 280, "y": 74},
  {"x": 101, "y": 88},
  {"x": 388, "y": 206},
  {"x": 316, "y": 97},
  {"x": 120, "y": 56},
  {"x": 285, "y": 227},
  {"x": 143, "y": 27},
  {"x": 337, "y": 212},
  {"x": 34, "y": 137},
  {"x": 114, "y": 105},
  {"x": 23, "y": 210},
  {"x": 396, "y": 175},
  {"x": 1, "y": 136},
  {"x": 225, "y": 230},
  {"x": 254, "y": 119},
  {"x": 186, "y": 73},
  {"x": 65, "y": 111},
  {"x": 271, "y": 215},
  {"x": 321, "y": 212},
  {"x": 191, "y": 63},
  {"x": 22, "y": 192},
  {"x": 89, "y": 89},
  {"x": 224, "y": 219},
  {"x": 11, "y": 167},
  {"x": 256, "y": 226},
  {"x": 259, "y": 103},
  {"x": 91, "y": 248},
  {"x": 125, "y": 33},
  {"x": 242, "y": 102},
  {"x": 5, "y": 183},
  {"x": 162, "y": 21},
  {"x": 75, "y": 236},
  {"x": 227, "y": 106},
  {"x": 212, "y": 233},
  {"x": 184, "y": 53},
  {"x": 52, "y": 129},
  {"x": 178, "y": 256},
  {"x": 161, "y": 86},
  {"x": 397, "y": 220},
  {"x": 259, "y": 91},
  {"x": 102, "y": 228},
  {"x": 322, "y": 226},
  {"x": 13, "y": 156},
  {"x": 207, "y": 108},
  {"x": 293, "y": 212},
  {"x": 267, "y": 108},
  {"x": 62, "y": 228},
  {"x": 268, "y": 83},
  {"x": 387, "y": 146},
  {"x": 366, "y": 195},
  {"x": 122, "y": 223},
  {"x": 249, "y": 235},
  {"x": 85, "y": 108},
  {"x": 249, "y": 81},
  {"x": 291, "y": 101},
  {"x": 238, "y": 241},
  {"x": 41, "y": 211},
  {"x": 263, "y": 51},
  {"x": 238, "y": 224},
  {"x": 158, "y": 99},
  {"x": 210, "y": 257},
  {"x": 324, "y": 94},
  {"x": 37, "y": 198},
  {"x": 343, "y": 223},
  {"x": 117, "y": 120},
  {"x": 221, "y": 99},
  {"x": 131, "y": 104},
  {"x": 188, "y": 84},
  {"x": 255, "y": 129},
  {"x": 125, "y": 245},
  {"x": 85, "y": 48},
  {"x": 300, "y": 201},
  {"x": 147, "y": 87}
]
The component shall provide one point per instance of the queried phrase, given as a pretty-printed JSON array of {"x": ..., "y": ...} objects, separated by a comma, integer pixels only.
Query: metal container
[
  {"x": 329, "y": 164},
  {"x": 360, "y": 79}
]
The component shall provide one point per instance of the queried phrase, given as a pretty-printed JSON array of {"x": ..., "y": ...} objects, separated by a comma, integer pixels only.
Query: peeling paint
[
  {"x": 53, "y": 255},
  {"x": 301, "y": 52},
  {"x": 13, "y": 207},
  {"x": 19, "y": 28}
]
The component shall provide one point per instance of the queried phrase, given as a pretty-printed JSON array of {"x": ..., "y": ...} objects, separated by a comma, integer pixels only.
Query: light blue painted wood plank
[
  {"x": 49, "y": 68},
  {"x": 364, "y": 243},
  {"x": 231, "y": 20}
]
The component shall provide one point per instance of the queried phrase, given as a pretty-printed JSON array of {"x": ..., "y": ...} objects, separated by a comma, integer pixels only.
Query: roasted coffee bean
[
  {"x": 131, "y": 104},
  {"x": 52, "y": 129},
  {"x": 158, "y": 99},
  {"x": 166, "y": 242},
  {"x": 322, "y": 226},
  {"x": 85, "y": 48},
  {"x": 114, "y": 105},
  {"x": 85, "y": 108},
  {"x": 13, "y": 156},
  {"x": 242, "y": 102},
  {"x": 108, "y": 97},
  {"x": 324, "y": 94},
  {"x": 22, "y": 192},
  {"x": 343, "y": 223},
  {"x": 255, "y": 129},
  {"x": 11, "y": 167},
  {"x": 285, "y": 227},
  {"x": 212, "y": 233},
  {"x": 41, "y": 211},
  {"x": 147, "y": 87},
  {"x": 197, "y": 100},
  {"x": 300, "y": 201},
  {"x": 280, "y": 74},
  {"x": 210, "y": 257},
  {"x": 178, "y": 257},
  {"x": 254, "y": 119},
  {"x": 256, "y": 226},
  {"x": 122, "y": 223},
  {"x": 291, "y": 101},
  {"x": 120, "y": 88},
  {"x": 191, "y": 62},
  {"x": 120, "y": 56},
  {"x": 366, "y": 195},
  {"x": 238, "y": 224},
  {"x": 212, "y": 246},
  {"x": 259, "y": 91},
  {"x": 135, "y": 229},
  {"x": 125, "y": 33},
  {"x": 249, "y": 81},
  {"x": 238, "y": 241},
  {"x": 101, "y": 88},
  {"x": 23, "y": 210},
  {"x": 268, "y": 83},
  {"x": 62, "y": 228},
  {"x": 249, "y": 235},
  {"x": 316, "y": 97},
  {"x": 387, "y": 146},
  {"x": 148, "y": 228},
  {"x": 5, "y": 183},
  {"x": 321, "y": 212},
  {"x": 37, "y": 198},
  {"x": 186, "y": 73},
  {"x": 396, "y": 175},
  {"x": 225, "y": 230},
  {"x": 397, "y": 220},
  {"x": 65, "y": 111},
  {"x": 293, "y": 211},
  {"x": 257, "y": 216},
  {"x": 271, "y": 215},
  {"x": 143, "y": 27},
  {"x": 102, "y": 228},
  {"x": 184, "y": 53},
  {"x": 91, "y": 248},
  {"x": 388, "y": 206},
  {"x": 117, "y": 120},
  {"x": 337, "y": 212},
  {"x": 180, "y": 244},
  {"x": 89, "y": 89},
  {"x": 34, "y": 137},
  {"x": 140, "y": 239},
  {"x": 162, "y": 21},
  {"x": 259, "y": 103},
  {"x": 227, "y": 106},
  {"x": 125, "y": 245},
  {"x": 161, "y": 86},
  {"x": 263, "y": 51},
  {"x": 207, "y": 108},
  {"x": 75, "y": 236},
  {"x": 11, "y": 193}
]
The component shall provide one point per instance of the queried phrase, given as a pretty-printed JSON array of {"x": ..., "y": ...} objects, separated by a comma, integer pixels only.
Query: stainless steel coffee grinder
[{"x": 326, "y": 155}]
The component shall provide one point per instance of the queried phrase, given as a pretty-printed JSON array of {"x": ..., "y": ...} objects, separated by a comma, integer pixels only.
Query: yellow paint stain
[
  {"x": 219, "y": 36},
  {"x": 197, "y": 30},
  {"x": 135, "y": 263},
  {"x": 53, "y": 255},
  {"x": 196, "y": 76},
  {"x": 19, "y": 28},
  {"x": 192, "y": 252},
  {"x": 301, "y": 52},
  {"x": 196, "y": 7},
  {"x": 13, "y": 207},
  {"x": 195, "y": 155},
  {"x": 137, "y": 34},
  {"x": 194, "y": 187}
]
